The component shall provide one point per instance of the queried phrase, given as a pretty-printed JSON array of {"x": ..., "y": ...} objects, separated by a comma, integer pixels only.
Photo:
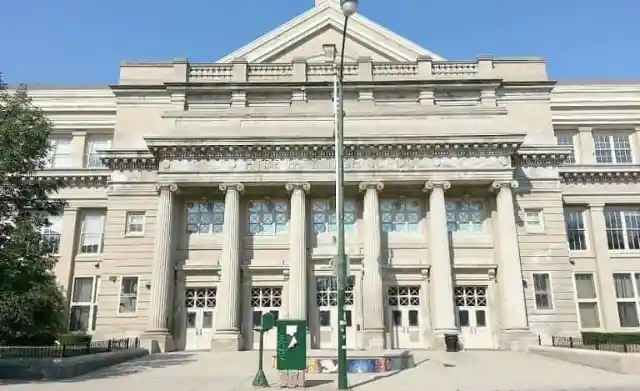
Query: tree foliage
[{"x": 32, "y": 305}]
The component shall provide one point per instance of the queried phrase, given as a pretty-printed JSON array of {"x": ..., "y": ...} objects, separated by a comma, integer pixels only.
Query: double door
[
  {"x": 472, "y": 316},
  {"x": 200, "y": 318},
  {"x": 404, "y": 316},
  {"x": 264, "y": 300},
  {"x": 327, "y": 305}
]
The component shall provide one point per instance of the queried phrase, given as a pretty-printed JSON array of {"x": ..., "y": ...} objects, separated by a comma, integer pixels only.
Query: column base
[
  {"x": 373, "y": 339},
  {"x": 157, "y": 341},
  {"x": 227, "y": 341},
  {"x": 517, "y": 339}
]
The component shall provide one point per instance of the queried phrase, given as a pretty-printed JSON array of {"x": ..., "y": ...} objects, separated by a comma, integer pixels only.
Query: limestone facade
[{"x": 482, "y": 198}]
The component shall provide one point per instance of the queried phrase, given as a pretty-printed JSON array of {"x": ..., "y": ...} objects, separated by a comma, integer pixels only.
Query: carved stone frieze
[
  {"x": 599, "y": 174},
  {"x": 75, "y": 178},
  {"x": 129, "y": 160},
  {"x": 541, "y": 156}
]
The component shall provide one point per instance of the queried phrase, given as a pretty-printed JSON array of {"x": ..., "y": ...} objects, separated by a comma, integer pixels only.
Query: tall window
[
  {"x": 587, "y": 300},
  {"x": 628, "y": 298},
  {"x": 92, "y": 235},
  {"x": 542, "y": 291},
  {"x": 566, "y": 140},
  {"x": 324, "y": 216},
  {"x": 205, "y": 217},
  {"x": 268, "y": 217},
  {"x": 576, "y": 229},
  {"x": 60, "y": 153},
  {"x": 128, "y": 295},
  {"x": 623, "y": 228},
  {"x": 465, "y": 216},
  {"x": 265, "y": 299},
  {"x": 94, "y": 146},
  {"x": 52, "y": 233},
  {"x": 400, "y": 215},
  {"x": 613, "y": 148},
  {"x": 83, "y": 311}
]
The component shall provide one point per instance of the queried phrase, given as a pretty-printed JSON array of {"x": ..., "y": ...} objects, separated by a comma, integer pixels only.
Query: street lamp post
[{"x": 349, "y": 7}]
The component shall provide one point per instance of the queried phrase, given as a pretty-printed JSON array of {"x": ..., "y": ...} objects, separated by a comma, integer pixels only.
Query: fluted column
[
  {"x": 439, "y": 253},
  {"x": 373, "y": 287},
  {"x": 162, "y": 276},
  {"x": 514, "y": 313},
  {"x": 298, "y": 250},
  {"x": 228, "y": 308}
]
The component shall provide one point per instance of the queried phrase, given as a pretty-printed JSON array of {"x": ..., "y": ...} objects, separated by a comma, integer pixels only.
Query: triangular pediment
[{"x": 309, "y": 34}]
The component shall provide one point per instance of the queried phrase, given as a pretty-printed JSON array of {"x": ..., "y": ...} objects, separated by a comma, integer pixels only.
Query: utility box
[{"x": 292, "y": 352}]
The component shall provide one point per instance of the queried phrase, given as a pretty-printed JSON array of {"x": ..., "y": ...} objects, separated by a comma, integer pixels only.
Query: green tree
[{"x": 32, "y": 305}]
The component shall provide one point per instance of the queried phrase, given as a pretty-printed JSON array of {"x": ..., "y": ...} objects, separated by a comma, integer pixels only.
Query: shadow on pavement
[
  {"x": 316, "y": 382},
  {"x": 387, "y": 375}
]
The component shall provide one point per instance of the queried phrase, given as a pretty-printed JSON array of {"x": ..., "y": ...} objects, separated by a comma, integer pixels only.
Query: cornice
[
  {"x": 77, "y": 177},
  {"x": 129, "y": 160},
  {"x": 599, "y": 173},
  {"x": 541, "y": 155}
]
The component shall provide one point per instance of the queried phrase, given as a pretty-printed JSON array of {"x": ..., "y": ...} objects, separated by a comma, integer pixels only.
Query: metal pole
[{"x": 341, "y": 256}]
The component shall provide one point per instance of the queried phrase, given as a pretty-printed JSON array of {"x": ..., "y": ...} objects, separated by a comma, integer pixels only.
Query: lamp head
[{"x": 349, "y": 7}]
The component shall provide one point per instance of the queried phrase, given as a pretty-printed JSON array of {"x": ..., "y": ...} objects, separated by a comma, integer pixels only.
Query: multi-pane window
[
  {"x": 92, "y": 233},
  {"x": 623, "y": 228},
  {"x": 587, "y": 298},
  {"x": 205, "y": 217},
  {"x": 83, "y": 311},
  {"x": 263, "y": 300},
  {"x": 51, "y": 234},
  {"x": 542, "y": 291},
  {"x": 268, "y": 217},
  {"x": 128, "y": 295},
  {"x": 613, "y": 148},
  {"x": 566, "y": 140},
  {"x": 135, "y": 223},
  {"x": 401, "y": 215},
  {"x": 59, "y": 153},
  {"x": 465, "y": 216},
  {"x": 576, "y": 229},
  {"x": 324, "y": 216},
  {"x": 534, "y": 220},
  {"x": 94, "y": 146},
  {"x": 627, "y": 288}
]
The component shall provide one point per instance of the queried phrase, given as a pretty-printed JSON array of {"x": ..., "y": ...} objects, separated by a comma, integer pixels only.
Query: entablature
[
  {"x": 600, "y": 173},
  {"x": 76, "y": 177}
]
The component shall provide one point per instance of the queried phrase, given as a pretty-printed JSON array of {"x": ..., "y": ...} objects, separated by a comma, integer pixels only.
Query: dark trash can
[{"x": 451, "y": 342}]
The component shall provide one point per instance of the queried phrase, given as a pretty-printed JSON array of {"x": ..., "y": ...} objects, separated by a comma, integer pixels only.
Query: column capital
[
  {"x": 430, "y": 185},
  {"x": 377, "y": 186},
  {"x": 596, "y": 206},
  {"x": 224, "y": 187},
  {"x": 160, "y": 187},
  {"x": 304, "y": 186},
  {"x": 511, "y": 184}
]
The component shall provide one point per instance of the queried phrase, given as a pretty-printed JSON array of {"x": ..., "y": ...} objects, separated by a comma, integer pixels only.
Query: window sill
[
  {"x": 535, "y": 231},
  {"x": 580, "y": 254},
  {"x": 134, "y": 235},
  {"x": 88, "y": 258},
  {"x": 624, "y": 253},
  {"x": 128, "y": 315}
]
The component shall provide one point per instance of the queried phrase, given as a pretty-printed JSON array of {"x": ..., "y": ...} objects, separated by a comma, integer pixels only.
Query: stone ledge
[
  {"x": 624, "y": 363},
  {"x": 55, "y": 368}
]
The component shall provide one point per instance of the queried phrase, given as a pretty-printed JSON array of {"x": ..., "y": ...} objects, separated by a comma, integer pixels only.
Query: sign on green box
[{"x": 292, "y": 345}]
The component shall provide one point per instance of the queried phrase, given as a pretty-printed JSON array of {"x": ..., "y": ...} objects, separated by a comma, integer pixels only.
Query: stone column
[
  {"x": 157, "y": 337},
  {"x": 514, "y": 312},
  {"x": 227, "y": 335},
  {"x": 441, "y": 281},
  {"x": 298, "y": 250},
  {"x": 373, "y": 334}
]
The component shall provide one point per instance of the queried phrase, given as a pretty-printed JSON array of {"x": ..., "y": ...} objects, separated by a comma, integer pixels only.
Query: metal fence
[
  {"x": 579, "y": 343},
  {"x": 69, "y": 350}
]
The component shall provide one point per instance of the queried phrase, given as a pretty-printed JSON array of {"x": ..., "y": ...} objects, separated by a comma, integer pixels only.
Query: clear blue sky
[{"x": 83, "y": 41}]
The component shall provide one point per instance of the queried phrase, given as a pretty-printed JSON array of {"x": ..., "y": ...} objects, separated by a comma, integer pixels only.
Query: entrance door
[
  {"x": 327, "y": 302},
  {"x": 200, "y": 320},
  {"x": 404, "y": 316},
  {"x": 472, "y": 316},
  {"x": 263, "y": 300}
]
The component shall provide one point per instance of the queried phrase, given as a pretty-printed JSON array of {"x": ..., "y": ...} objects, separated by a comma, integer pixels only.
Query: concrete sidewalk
[{"x": 437, "y": 371}]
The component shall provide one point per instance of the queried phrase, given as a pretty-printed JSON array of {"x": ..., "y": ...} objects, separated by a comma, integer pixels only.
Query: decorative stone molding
[
  {"x": 224, "y": 187},
  {"x": 491, "y": 274},
  {"x": 599, "y": 173},
  {"x": 542, "y": 156},
  {"x": 430, "y": 185},
  {"x": 129, "y": 160},
  {"x": 426, "y": 274},
  {"x": 291, "y": 186},
  {"x": 87, "y": 178},
  {"x": 513, "y": 184},
  {"x": 364, "y": 186},
  {"x": 172, "y": 187}
]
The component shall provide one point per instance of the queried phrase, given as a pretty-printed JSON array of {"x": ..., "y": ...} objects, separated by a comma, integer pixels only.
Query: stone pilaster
[
  {"x": 439, "y": 253},
  {"x": 227, "y": 335},
  {"x": 298, "y": 250},
  {"x": 374, "y": 330},
  {"x": 157, "y": 337},
  {"x": 515, "y": 325}
]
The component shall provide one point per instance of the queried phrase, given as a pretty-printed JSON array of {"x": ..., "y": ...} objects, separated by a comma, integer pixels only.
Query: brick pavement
[{"x": 465, "y": 371}]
